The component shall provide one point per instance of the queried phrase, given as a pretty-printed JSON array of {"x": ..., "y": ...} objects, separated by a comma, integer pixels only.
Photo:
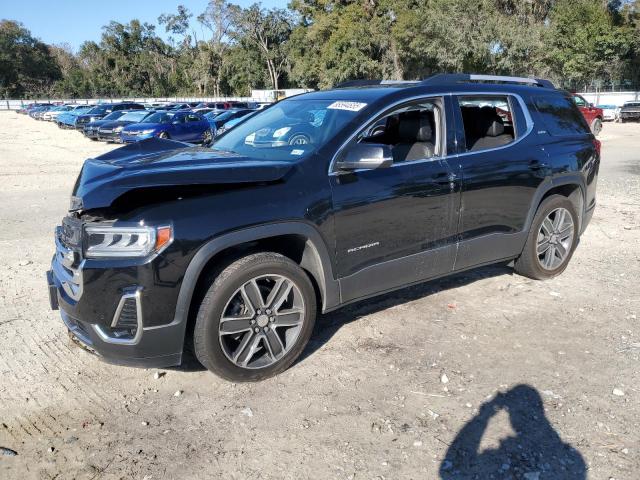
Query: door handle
[{"x": 536, "y": 165}]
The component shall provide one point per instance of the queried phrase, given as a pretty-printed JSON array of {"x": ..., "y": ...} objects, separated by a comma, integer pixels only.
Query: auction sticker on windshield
[{"x": 351, "y": 106}]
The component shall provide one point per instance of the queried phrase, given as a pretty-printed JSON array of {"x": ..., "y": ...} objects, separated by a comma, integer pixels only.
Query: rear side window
[
  {"x": 560, "y": 115},
  {"x": 488, "y": 121},
  {"x": 193, "y": 118}
]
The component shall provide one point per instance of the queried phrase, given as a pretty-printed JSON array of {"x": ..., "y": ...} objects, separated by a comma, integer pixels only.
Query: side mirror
[{"x": 365, "y": 156}]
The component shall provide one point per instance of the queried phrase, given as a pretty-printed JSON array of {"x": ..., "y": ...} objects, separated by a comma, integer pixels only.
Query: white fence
[
  {"x": 611, "y": 98},
  {"x": 19, "y": 103}
]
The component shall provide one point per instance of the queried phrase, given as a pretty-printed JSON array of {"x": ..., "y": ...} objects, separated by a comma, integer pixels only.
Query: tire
[
  {"x": 163, "y": 135},
  {"x": 207, "y": 137},
  {"x": 223, "y": 353},
  {"x": 596, "y": 126},
  {"x": 530, "y": 264}
]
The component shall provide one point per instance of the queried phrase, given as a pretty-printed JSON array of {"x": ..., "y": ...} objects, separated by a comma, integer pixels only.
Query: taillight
[{"x": 597, "y": 144}]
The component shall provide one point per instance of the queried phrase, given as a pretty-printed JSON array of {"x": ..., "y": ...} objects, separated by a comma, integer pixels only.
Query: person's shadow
[{"x": 536, "y": 452}]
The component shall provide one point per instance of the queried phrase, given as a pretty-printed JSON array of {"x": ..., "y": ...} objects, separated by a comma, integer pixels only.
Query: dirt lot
[{"x": 483, "y": 375}]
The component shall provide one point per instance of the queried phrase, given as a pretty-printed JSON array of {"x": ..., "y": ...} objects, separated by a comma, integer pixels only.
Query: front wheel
[
  {"x": 163, "y": 135},
  {"x": 255, "y": 319},
  {"x": 596, "y": 126},
  {"x": 552, "y": 239}
]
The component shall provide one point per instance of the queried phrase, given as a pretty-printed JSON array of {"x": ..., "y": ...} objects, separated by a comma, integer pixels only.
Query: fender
[
  {"x": 315, "y": 258},
  {"x": 569, "y": 178}
]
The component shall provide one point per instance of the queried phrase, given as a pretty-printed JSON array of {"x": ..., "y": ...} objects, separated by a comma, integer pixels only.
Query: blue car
[
  {"x": 217, "y": 120},
  {"x": 68, "y": 119},
  {"x": 183, "y": 126}
]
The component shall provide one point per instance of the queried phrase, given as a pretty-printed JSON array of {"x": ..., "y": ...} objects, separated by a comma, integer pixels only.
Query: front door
[{"x": 396, "y": 225}]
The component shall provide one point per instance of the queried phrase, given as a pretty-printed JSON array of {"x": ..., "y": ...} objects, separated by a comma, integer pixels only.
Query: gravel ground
[{"x": 482, "y": 375}]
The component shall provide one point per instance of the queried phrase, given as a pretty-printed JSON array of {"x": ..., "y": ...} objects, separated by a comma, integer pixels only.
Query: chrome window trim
[
  {"x": 124, "y": 341},
  {"x": 527, "y": 115}
]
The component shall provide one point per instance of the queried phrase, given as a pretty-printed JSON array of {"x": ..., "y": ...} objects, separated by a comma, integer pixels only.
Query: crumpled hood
[{"x": 156, "y": 163}]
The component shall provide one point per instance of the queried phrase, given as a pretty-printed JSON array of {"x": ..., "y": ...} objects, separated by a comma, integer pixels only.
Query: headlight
[
  {"x": 125, "y": 242},
  {"x": 281, "y": 131},
  {"x": 118, "y": 129},
  {"x": 147, "y": 132}
]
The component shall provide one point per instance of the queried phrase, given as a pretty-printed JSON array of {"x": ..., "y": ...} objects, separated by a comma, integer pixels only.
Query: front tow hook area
[{"x": 53, "y": 292}]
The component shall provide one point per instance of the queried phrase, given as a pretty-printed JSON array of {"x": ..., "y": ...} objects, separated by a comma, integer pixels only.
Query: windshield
[
  {"x": 290, "y": 129},
  {"x": 134, "y": 116},
  {"x": 114, "y": 115},
  {"x": 213, "y": 114},
  {"x": 160, "y": 117},
  {"x": 99, "y": 110}
]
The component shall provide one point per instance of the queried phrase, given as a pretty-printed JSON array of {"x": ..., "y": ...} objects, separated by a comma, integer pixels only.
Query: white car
[{"x": 609, "y": 112}]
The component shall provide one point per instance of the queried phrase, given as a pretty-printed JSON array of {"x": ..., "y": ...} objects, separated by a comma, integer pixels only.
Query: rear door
[
  {"x": 194, "y": 127},
  {"x": 501, "y": 169}
]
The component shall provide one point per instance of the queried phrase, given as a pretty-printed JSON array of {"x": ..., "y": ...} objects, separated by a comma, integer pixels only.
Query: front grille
[{"x": 67, "y": 268}]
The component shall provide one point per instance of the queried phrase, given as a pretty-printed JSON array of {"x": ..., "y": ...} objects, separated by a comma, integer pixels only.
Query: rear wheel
[
  {"x": 299, "y": 139},
  {"x": 207, "y": 137},
  {"x": 552, "y": 239},
  {"x": 164, "y": 135},
  {"x": 255, "y": 319},
  {"x": 596, "y": 126}
]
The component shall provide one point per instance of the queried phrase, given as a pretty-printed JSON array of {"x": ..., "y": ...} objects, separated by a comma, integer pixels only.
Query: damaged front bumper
[{"x": 106, "y": 308}]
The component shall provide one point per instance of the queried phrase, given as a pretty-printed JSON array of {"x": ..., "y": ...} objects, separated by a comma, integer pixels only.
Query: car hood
[{"x": 160, "y": 163}]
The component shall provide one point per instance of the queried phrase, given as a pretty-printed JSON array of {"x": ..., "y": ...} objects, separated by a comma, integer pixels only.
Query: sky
[{"x": 74, "y": 21}]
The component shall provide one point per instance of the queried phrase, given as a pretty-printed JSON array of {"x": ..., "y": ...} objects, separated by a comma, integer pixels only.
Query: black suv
[{"x": 239, "y": 246}]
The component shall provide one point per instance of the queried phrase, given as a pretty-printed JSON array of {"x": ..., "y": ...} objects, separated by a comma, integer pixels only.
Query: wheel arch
[
  {"x": 571, "y": 186},
  {"x": 297, "y": 240}
]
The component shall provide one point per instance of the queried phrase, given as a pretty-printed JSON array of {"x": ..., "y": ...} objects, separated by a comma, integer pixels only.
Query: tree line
[{"x": 319, "y": 43}]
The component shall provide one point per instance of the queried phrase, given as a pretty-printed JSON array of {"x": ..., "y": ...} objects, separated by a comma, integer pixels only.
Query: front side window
[
  {"x": 289, "y": 130},
  {"x": 412, "y": 130},
  {"x": 487, "y": 121},
  {"x": 579, "y": 101},
  {"x": 193, "y": 118}
]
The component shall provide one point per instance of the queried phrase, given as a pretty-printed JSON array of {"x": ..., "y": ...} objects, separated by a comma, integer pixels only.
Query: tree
[
  {"x": 26, "y": 64},
  {"x": 269, "y": 30}
]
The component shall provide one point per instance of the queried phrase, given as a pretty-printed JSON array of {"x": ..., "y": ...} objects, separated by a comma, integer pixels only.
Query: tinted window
[
  {"x": 193, "y": 118},
  {"x": 134, "y": 116},
  {"x": 560, "y": 115},
  {"x": 160, "y": 117}
]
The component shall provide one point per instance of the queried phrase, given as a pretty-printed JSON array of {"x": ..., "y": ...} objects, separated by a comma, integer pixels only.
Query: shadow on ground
[
  {"x": 328, "y": 325},
  {"x": 536, "y": 452}
]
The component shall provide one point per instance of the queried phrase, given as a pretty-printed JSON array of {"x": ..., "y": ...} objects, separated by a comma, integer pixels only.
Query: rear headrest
[
  {"x": 490, "y": 122},
  {"x": 415, "y": 127}
]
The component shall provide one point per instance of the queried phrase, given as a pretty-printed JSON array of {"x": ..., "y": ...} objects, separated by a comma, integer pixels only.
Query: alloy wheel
[
  {"x": 555, "y": 239},
  {"x": 262, "y": 321}
]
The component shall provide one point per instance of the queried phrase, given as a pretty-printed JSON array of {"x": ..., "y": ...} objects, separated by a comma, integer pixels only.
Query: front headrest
[
  {"x": 415, "y": 127},
  {"x": 491, "y": 124}
]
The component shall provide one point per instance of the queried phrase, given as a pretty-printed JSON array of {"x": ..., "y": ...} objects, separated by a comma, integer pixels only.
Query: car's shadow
[
  {"x": 327, "y": 325},
  {"x": 535, "y": 452}
]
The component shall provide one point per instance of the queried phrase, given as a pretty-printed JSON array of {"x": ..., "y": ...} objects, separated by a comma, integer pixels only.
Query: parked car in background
[
  {"x": 90, "y": 130},
  {"x": 183, "y": 126},
  {"x": 26, "y": 108},
  {"x": 101, "y": 111},
  {"x": 68, "y": 119},
  {"x": 110, "y": 131},
  {"x": 232, "y": 123},
  {"x": 592, "y": 114},
  {"x": 214, "y": 105},
  {"x": 39, "y": 111},
  {"x": 630, "y": 111},
  {"x": 51, "y": 115},
  {"x": 609, "y": 112},
  {"x": 217, "y": 120}
]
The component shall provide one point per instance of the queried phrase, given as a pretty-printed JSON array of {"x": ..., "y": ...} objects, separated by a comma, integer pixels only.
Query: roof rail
[
  {"x": 447, "y": 78},
  {"x": 365, "y": 83}
]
